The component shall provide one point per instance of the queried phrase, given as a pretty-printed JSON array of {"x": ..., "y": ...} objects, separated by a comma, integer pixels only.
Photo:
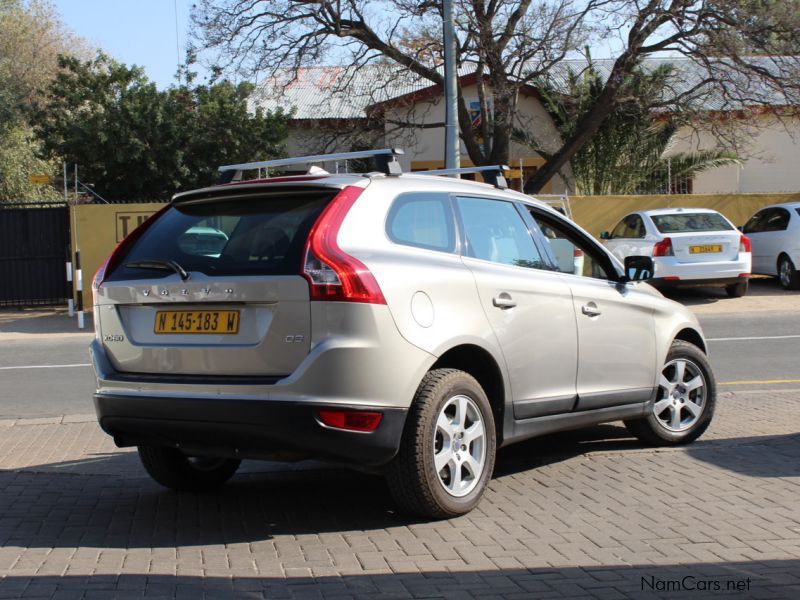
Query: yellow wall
[
  {"x": 601, "y": 213},
  {"x": 100, "y": 227}
]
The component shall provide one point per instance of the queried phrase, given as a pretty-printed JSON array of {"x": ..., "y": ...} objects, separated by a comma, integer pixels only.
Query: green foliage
[
  {"x": 134, "y": 142},
  {"x": 31, "y": 35},
  {"x": 630, "y": 151},
  {"x": 18, "y": 161}
]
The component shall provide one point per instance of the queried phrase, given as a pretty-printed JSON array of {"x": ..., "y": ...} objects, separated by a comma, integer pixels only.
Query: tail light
[
  {"x": 663, "y": 248},
  {"x": 352, "y": 420},
  {"x": 744, "y": 244},
  {"x": 332, "y": 274},
  {"x": 577, "y": 253},
  {"x": 119, "y": 251}
]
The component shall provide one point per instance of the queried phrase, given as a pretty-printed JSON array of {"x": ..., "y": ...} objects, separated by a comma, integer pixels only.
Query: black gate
[{"x": 34, "y": 242}]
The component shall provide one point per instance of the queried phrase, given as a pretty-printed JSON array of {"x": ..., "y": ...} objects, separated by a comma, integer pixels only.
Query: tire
[
  {"x": 787, "y": 274},
  {"x": 680, "y": 413},
  {"x": 449, "y": 405},
  {"x": 737, "y": 290},
  {"x": 173, "y": 469}
]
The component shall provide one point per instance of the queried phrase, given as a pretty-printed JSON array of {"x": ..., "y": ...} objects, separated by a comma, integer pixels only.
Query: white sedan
[
  {"x": 691, "y": 247},
  {"x": 774, "y": 232}
]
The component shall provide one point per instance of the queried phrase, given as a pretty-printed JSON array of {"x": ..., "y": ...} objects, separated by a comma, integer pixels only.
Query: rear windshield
[
  {"x": 256, "y": 236},
  {"x": 688, "y": 222}
]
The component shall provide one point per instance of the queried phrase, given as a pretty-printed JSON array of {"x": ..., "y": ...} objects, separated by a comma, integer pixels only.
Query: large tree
[
  {"x": 31, "y": 37},
  {"x": 511, "y": 44},
  {"x": 134, "y": 142}
]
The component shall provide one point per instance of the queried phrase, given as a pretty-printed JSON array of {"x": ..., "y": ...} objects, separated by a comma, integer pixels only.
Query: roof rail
[
  {"x": 386, "y": 160},
  {"x": 492, "y": 175}
]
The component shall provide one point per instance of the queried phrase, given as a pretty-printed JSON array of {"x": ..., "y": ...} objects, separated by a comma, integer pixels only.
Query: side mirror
[
  {"x": 605, "y": 235},
  {"x": 639, "y": 268}
]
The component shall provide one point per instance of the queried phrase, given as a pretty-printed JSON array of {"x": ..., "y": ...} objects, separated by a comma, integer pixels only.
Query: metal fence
[{"x": 34, "y": 249}]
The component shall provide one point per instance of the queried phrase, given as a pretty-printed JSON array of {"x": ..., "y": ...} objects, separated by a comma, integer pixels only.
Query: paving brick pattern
[{"x": 590, "y": 514}]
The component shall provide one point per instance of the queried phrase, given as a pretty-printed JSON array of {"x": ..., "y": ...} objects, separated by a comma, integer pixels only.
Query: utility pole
[{"x": 452, "y": 147}]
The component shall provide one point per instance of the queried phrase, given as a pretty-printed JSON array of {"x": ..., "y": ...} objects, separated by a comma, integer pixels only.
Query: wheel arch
[
  {"x": 479, "y": 363},
  {"x": 687, "y": 334}
]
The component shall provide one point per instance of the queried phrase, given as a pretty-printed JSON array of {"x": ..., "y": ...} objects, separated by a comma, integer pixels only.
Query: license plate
[
  {"x": 707, "y": 248},
  {"x": 197, "y": 321}
]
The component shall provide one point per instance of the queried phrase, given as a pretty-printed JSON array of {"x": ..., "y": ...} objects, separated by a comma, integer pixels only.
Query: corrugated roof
[{"x": 346, "y": 92}]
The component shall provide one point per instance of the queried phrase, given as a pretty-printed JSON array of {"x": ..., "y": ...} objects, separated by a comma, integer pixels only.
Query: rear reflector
[
  {"x": 672, "y": 278},
  {"x": 350, "y": 420},
  {"x": 744, "y": 274}
]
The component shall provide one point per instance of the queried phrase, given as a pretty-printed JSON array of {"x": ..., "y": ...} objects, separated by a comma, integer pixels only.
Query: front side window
[
  {"x": 495, "y": 231},
  {"x": 422, "y": 221},
  {"x": 756, "y": 223},
  {"x": 573, "y": 254},
  {"x": 691, "y": 222},
  {"x": 620, "y": 229},
  {"x": 631, "y": 227},
  {"x": 778, "y": 220}
]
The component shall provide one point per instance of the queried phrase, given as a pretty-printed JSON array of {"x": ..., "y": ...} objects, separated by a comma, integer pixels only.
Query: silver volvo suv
[{"x": 407, "y": 323}]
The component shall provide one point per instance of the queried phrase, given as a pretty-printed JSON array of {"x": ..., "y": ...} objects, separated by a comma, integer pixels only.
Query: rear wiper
[{"x": 162, "y": 265}]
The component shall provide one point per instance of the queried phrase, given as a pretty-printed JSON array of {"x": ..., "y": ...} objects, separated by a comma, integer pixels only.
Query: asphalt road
[{"x": 48, "y": 375}]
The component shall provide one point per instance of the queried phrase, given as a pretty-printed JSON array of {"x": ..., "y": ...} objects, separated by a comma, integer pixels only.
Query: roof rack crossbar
[
  {"x": 493, "y": 175},
  {"x": 385, "y": 158}
]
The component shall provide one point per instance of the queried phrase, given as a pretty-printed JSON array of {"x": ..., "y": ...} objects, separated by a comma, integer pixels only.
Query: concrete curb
[{"x": 61, "y": 420}]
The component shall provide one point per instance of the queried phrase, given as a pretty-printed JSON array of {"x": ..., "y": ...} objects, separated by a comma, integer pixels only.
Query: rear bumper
[
  {"x": 703, "y": 273},
  {"x": 245, "y": 428}
]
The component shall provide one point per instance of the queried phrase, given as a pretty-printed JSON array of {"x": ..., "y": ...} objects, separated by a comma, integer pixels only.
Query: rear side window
[
  {"x": 256, "y": 236},
  {"x": 422, "y": 221},
  {"x": 691, "y": 222}
]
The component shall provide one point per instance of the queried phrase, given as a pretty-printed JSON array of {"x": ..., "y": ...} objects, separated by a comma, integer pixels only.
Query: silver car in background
[{"x": 407, "y": 323}]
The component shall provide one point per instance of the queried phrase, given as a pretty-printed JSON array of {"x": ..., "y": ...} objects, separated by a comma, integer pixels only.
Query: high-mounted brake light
[
  {"x": 663, "y": 248},
  {"x": 333, "y": 274},
  {"x": 119, "y": 251},
  {"x": 744, "y": 244},
  {"x": 351, "y": 420}
]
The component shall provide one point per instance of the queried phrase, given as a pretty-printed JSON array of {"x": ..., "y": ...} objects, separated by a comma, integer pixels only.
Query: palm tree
[{"x": 631, "y": 152}]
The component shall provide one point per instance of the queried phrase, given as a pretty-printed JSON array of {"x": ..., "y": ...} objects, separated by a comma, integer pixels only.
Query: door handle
[
  {"x": 503, "y": 301},
  {"x": 591, "y": 310}
]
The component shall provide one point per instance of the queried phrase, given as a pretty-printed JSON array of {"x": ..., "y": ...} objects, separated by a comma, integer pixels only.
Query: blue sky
[{"x": 140, "y": 32}]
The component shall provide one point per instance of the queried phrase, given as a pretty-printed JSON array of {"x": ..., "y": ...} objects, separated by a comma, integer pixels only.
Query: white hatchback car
[
  {"x": 774, "y": 232},
  {"x": 691, "y": 247}
]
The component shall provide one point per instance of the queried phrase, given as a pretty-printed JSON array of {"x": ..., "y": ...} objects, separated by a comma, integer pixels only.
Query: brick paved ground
[{"x": 584, "y": 515}]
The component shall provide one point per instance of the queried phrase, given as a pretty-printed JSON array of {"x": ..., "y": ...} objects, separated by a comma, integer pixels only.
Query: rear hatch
[
  {"x": 212, "y": 287},
  {"x": 699, "y": 237}
]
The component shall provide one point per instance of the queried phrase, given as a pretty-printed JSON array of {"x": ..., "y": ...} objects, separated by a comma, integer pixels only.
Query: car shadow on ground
[
  {"x": 750, "y": 579},
  {"x": 766, "y": 287},
  {"x": 78, "y": 503}
]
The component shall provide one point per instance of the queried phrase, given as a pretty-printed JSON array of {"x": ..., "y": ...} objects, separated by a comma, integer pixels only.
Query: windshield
[
  {"x": 256, "y": 236},
  {"x": 691, "y": 222}
]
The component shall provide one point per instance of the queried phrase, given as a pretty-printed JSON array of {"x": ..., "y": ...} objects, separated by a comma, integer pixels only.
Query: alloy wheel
[
  {"x": 681, "y": 395},
  {"x": 785, "y": 272},
  {"x": 459, "y": 445}
]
